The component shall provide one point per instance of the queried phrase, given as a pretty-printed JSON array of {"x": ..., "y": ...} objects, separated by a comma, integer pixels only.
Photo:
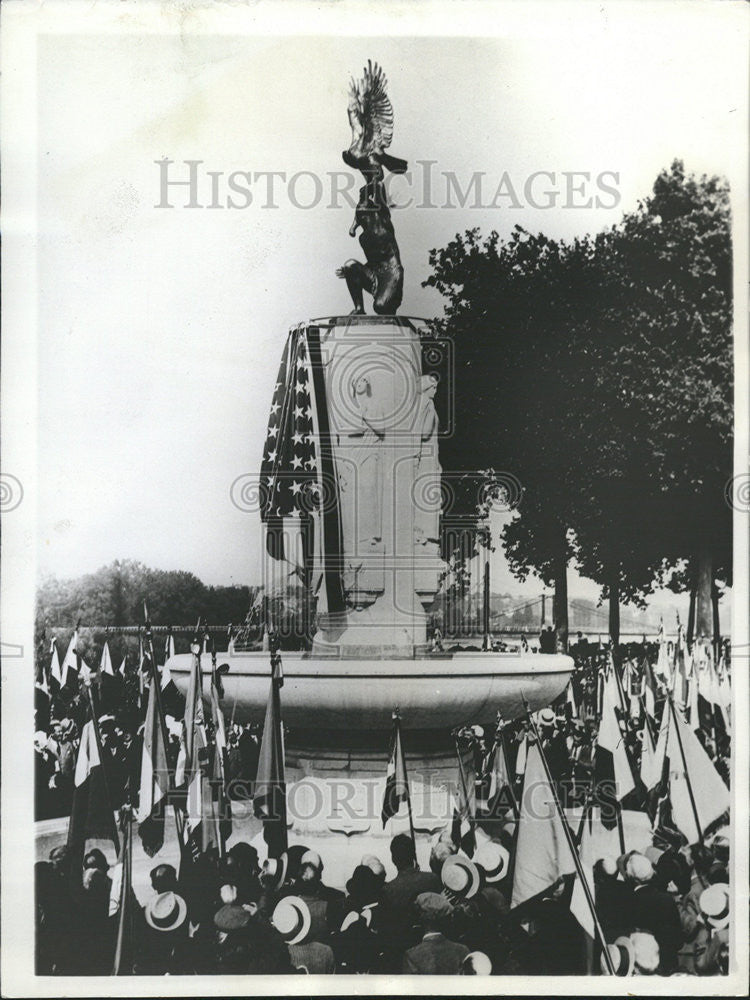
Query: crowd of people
[
  {"x": 663, "y": 909},
  {"x": 665, "y": 912}
]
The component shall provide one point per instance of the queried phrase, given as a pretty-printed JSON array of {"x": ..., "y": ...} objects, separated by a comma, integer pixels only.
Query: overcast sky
[{"x": 160, "y": 330}]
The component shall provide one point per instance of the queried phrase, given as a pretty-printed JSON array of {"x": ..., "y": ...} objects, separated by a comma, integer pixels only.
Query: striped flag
[
  {"x": 269, "y": 798},
  {"x": 396, "y": 782},
  {"x": 55, "y": 671},
  {"x": 695, "y": 785},
  {"x": 462, "y": 829},
  {"x": 542, "y": 851},
  {"x": 613, "y": 778},
  {"x": 91, "y": 814},
  {"x": 298, "y": 483},
  {"x": 154, "y": 779},
  {"x": 220, "y": 749},
  {"x": 105, "y": 665},
  {"x": 70, "y": 665}
]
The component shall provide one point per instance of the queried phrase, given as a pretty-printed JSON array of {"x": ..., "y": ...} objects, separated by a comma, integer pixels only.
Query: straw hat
[
  {"x": 493, "y": 859},
  {"x": 476, "y": 963},
  {"x": 292, "y": 919},
  {"x": 460, "y": 876},
  {"x": 546, "y": 717},
  {"x": 274, "y": 870},
  {"x": 622, "y": 956},
  {"x": 714, "y": 904},
  {"x": 646, "y": 952},
  {"x": 639, "y": 869},
  {"x": 166, "y": 912}
]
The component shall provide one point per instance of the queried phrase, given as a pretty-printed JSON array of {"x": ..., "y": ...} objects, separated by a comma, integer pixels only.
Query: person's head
[
  {"x": 311, "y": 867},
  {"x": 246, "y": 856},
  {"x": 402, "y": 852},
  {"x": 493, "y": 861},
  {"x": 546, "y": 720},
  {"x": 701, "y": 858},
  {"x": 439, "y": 853},
  {"x": 166, "y": 912},
  {"x": 375, "y": 865},
  {"x": 672, "y": 873},
  {"x": 294, "y": 858},
  {"x": 95, "y": 859},
  {"x": 645, "y": 953},
  {"x": 638, "y": 869},
  {"x": 605, "y": 870},
  {"x": 717, "y": 874},
  {"x": 292, "y": 919},
  {"x": 163, "y": 878},
  {"x": 364, "y": 886},
  {"x": 476, "y": 963},
  {"x": 58, "y": 857},
  {"x": 720, "y": 849},
  {"x": 433, "y": 910}
]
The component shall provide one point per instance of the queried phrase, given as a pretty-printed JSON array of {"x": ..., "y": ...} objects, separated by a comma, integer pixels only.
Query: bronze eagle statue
[{"x": 371, "y": 120}]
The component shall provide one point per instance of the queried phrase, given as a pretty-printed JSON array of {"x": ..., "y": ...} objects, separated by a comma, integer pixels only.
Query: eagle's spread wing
[{"x": 370, "y": 112}]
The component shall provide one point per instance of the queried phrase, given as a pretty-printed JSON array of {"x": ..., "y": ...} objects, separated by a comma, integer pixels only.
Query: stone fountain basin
[{"x": 431, "y": 692}]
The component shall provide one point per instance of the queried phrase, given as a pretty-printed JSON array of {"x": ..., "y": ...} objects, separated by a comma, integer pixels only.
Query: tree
[
  {"x": 599, "y": 372},
  {"x": 513, "y": 311},
  {"x": 661, "y": 384}
]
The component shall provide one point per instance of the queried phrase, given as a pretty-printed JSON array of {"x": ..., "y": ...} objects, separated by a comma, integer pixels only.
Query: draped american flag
[{"x": 298, "y": 491}]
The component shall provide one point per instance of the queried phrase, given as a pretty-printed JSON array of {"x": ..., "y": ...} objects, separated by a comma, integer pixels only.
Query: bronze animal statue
[{"x": 371, "y": 119}]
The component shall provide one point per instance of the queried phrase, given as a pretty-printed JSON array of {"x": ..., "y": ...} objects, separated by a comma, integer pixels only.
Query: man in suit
[
  {"x": 654, "y": 910},
  {"x": 436, "y": 955},
  {"x": 400, "y": 892}
]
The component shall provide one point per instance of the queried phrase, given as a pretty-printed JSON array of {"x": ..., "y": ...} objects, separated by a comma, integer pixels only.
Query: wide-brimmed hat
[
  {"x": 493, "y": 859},
  {"x": 546, "y": 717},
  {"x": 460, "y": 876},
  {"x": 476, "y": 963},
  {"x": 231, "y": 917},
  {"x": 639, "y": 869},
  {"x": 274, "y": 870},
  {"x": 645, "y": 952},
  {"x": 714, "y": 904},
  {"x": 622, "y": 956},
  {"x": 292, "y": 919},
  {"x": 166, "y": 912}
]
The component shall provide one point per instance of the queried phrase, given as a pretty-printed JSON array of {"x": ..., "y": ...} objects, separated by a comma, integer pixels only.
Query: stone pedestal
[{"x": 384, "y": 440}]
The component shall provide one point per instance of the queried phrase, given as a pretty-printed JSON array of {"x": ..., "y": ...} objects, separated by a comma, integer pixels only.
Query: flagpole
[
  {"x": 462, "y": 776},
  {"x": 687, "y": 773},
  {"x": 500, "y": 739},
  {"x": 571, "y": 843},
  {"x": 126, "y": 913},
  {"x": 179, "y": 824},
  {"x": 397, "y": 723}
]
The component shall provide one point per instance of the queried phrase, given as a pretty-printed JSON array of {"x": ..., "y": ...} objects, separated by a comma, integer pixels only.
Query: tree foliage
[{"x": 599, "y": 373}]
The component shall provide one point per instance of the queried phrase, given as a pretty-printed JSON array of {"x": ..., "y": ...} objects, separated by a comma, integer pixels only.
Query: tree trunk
[
  {"x": 614, "y": 613},
  {"x": 560, "y": 602},
  {"x": 704, "y": 585}
]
